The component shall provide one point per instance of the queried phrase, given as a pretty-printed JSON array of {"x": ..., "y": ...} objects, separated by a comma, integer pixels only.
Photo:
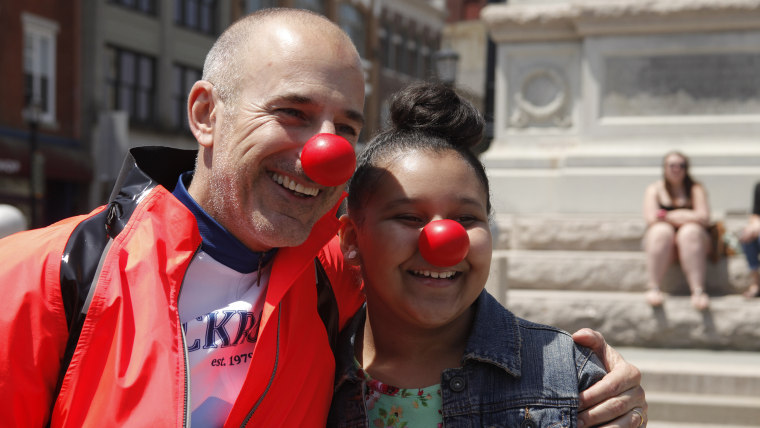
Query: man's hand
[
  {"x": 750, "y": 232},
  {"x": 617, "y": 400}
]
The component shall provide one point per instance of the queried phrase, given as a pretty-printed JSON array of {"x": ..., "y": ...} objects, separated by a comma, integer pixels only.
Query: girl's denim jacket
[{"x": 514, "y": 373}]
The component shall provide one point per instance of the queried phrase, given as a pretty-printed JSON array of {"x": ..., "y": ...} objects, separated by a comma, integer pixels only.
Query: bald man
[{"x": 193, "y": 295}]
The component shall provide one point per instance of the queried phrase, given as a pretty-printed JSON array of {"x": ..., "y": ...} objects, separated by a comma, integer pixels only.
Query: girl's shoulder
[
  {"x": 655, "y": 190},
  {"x": 656, "y": 186},
  {"x": 543, "y": 335}
]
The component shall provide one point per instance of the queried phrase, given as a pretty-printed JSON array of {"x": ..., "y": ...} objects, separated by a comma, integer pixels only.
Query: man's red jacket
[{"x": 123, "y": 265}]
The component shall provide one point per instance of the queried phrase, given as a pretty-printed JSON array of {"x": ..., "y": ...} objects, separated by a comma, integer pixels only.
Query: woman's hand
[{"x": 617, "y": 400}]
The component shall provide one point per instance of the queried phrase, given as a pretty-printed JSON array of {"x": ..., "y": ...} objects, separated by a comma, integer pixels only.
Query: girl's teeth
[{"x": 435, "y": 275}]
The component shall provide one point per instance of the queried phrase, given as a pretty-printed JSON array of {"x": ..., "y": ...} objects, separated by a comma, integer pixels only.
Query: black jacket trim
[{"x": 143, "y": 169}]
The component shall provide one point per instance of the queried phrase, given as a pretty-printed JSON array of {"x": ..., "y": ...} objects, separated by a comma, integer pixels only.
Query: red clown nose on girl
[{"x": 444, "y": 243}]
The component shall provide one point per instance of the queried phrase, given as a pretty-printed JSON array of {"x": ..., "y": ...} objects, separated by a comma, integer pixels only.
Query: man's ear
[
  {"x": 348, "y": 240},
  {"x": 202, "y": 112}
]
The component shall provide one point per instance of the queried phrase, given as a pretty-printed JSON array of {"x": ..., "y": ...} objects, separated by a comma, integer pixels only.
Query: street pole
[
  {"x": 36, "y": 166},
  {"x": 33, "y": 126}
]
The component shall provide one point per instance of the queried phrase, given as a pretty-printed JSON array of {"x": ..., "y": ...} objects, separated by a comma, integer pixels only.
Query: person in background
[
  {"x": 677, "y": 214},
  {"x": 433, "y": 348},
  {"x": 193, "y": 297},
  {"x": 750, "y": 241}
]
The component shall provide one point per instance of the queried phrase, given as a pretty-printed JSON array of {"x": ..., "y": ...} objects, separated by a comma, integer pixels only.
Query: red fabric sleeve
[{"x": 33, "y": 322}]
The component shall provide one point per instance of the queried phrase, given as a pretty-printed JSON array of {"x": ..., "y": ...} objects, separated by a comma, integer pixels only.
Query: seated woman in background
[
  {"x": 433, "y": 348},
  {"x": 750, "y": 239},
  {"x": 677, "y": 215}
]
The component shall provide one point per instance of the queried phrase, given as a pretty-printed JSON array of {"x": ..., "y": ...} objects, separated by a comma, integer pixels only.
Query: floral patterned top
[{"x": 388, "y": 406}]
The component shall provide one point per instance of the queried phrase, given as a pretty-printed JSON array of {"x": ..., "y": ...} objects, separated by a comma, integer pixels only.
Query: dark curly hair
[{"x": 424, "y": 116}]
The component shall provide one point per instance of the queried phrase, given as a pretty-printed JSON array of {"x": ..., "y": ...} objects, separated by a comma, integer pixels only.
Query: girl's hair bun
[{"x": 435, "y": 109}]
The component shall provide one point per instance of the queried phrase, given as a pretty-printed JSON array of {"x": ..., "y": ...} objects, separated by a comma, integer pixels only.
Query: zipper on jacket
[
  {"x": 186, "y": 354},
  {"x": 186, "y": 421},
  {"x": 274, "y": 370}
]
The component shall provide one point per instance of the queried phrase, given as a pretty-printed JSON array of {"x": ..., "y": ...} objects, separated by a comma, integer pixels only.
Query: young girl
[{"x": 433, "y": 348}]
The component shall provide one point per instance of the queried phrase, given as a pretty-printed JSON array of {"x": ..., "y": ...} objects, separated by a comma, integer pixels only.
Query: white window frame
[{"x": 36, "y": 29}]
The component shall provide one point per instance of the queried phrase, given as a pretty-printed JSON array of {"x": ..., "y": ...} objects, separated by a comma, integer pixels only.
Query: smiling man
[
  {"x": 198, "y": 278},
  {"x": 192, "y": 297}
]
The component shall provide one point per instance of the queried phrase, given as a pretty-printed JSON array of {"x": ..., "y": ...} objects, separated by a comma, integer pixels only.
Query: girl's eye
[
  {"x": 466, "y": 219},
  {"x": 407, "y": 218}
]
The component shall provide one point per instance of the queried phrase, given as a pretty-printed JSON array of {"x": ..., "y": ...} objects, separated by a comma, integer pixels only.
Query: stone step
[
  {"x": 699, "y": 388},
  {"x": 697, "y": 371},
  {"x": 570, "y": 232},
  {"x": 625, "y": 319},
  {"x": 606, "y": 271},
  {"x": 704, "y": 408},
  {"x": 582, "y": 232}
]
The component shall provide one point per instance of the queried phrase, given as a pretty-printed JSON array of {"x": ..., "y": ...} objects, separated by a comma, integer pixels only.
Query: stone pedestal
[{"x": 591, "y": 94}]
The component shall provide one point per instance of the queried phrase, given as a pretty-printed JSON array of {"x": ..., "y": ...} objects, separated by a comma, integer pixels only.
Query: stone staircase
[
  {"x": 699, "y": 369},
  {"x": 699, "y": 388}
]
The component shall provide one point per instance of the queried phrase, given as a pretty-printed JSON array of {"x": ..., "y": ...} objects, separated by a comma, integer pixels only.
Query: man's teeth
[
  {"x": 435, "y": 275},
  {"x": 292, "y": 185}
]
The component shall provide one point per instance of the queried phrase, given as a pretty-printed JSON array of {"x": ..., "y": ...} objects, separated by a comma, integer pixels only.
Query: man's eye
[{"x": 292, "y": 112}]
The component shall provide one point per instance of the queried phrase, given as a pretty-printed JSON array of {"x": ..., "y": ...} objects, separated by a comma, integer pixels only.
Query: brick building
[{"x": 40, "y": 108}]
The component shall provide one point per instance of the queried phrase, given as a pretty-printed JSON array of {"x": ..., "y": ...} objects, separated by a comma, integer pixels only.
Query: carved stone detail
[{"x": 530, "y": 110}]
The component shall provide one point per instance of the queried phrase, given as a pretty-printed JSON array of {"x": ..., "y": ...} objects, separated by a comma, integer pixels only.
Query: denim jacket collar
[
  {"x": 344, "y": 360},
  {"x": 494, "y": 339}
]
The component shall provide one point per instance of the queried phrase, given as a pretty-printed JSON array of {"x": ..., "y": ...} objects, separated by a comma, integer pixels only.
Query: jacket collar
[
  {"x": 143, "y": 169},
  {"x": 494, "y": 339}
]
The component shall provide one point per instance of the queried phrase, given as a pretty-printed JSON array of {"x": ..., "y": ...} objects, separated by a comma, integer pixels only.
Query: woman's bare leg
[
  {"x": 659, "y": 246},
  {"x": 754, "y": 287},
  {"x": 693, "y": 245}
]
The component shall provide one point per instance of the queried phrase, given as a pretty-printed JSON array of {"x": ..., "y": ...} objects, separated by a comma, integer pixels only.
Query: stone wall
[{"x": 591, "y": 94}]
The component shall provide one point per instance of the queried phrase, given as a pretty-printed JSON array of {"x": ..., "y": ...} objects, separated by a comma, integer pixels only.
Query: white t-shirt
[
  {"x": 220, "y": 307},
  {"x": 220, "y": 310}
]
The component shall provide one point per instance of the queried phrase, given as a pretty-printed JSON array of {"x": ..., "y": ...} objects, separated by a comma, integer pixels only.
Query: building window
[
  {"x": 432, "y": 47},
  {"x": 183, "y": 78},
  {"x": 198, "y": 15},
  {"x": 254, "y": 5},
  {"x": 312, "y": 5},
  {"x": 145, "y": 6},
  {"x": 423, "y": 61},
  {"x": 425, "y": 55},
  {"x": 384, "y": 36},
  {"x": 411, "y": 58},
  {"x": 130, "y": 81},
  {"x": 351, "y": 20},
  {"x": 39, "y": 66},
  {"x": 399, "y": 51},
  {"x": 472, "y": 9}
]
